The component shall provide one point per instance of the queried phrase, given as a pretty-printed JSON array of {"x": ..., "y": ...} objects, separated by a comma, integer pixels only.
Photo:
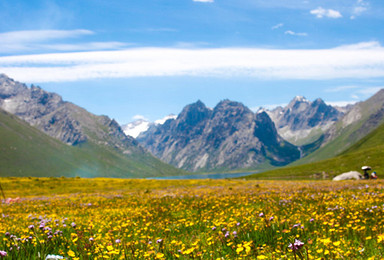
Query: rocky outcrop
[
  {"x": 62, "y": 120},
  {"x": 230, "y": 136},
  {"x": 302, "y": 120}
]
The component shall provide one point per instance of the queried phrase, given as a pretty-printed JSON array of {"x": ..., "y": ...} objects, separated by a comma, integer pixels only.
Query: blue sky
[{"x": 153, "y": 57}]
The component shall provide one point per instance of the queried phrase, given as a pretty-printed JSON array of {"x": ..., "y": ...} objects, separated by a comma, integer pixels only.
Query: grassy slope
[
  {"x": 25, "y": 151},
  {"x": 368, "y": 151},
  {"x": 348, "y": 135}
]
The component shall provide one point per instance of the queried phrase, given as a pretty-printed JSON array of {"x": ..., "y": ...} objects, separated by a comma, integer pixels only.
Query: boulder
[{"x": 352, "y": 175}]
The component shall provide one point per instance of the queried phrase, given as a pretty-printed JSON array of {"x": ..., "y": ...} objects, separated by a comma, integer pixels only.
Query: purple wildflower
[
  {"x": 73, "y": 224},
  {"x": 117, "y": 241},
  {"x": 271, "y": 218},
  {"x": 226, "y": 235},
  {"x": 3, "y": 253},
  {"x": 297, "y": 245},
  {"x": 31, "y": 227},
  {"x": 214, "y": 228},
  {"x": 261, "y": 214},
  {"x": 238, "y": 224},
  {"x": 159, "y": 241},
  {"x": 296, "y": 225},
  {"x": 91, "y": 239}
]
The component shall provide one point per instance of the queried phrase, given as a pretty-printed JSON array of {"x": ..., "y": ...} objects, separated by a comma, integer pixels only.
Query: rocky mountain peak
[
  {"x": 194, "y": 114},
  {"x": 59, "y": 119},
  {"x": 228, "y": 137},
  {"x": 302, "y": 118}
]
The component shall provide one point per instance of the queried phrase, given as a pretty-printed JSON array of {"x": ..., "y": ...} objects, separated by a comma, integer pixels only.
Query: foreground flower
[
  {"x": 3, "y": 253},
  {"x": 297, "y": 245}
]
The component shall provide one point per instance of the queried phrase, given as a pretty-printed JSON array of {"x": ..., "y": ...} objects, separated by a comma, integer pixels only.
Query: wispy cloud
[
  {"x": 340, "y": 89},
  {"x": 41, "y": 35},
  {"x": 154, "y": 30},
  {"x": 330, "y": 13},
  {"x": 335, "y": 63},
  {"x": 340, "y": 103},
  {"x": 361, "y": 46},
  {"x": 359, "y": 8},
  {"x": 369, "y": 91},
  {"x": 289, "y": 32},
  {"x": 46, "y": 40},
  {"x": 277, "y": 26},
  {"x": 356, "y": 92}
]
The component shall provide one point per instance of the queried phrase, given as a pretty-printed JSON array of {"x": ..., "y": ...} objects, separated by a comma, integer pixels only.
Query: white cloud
[
  {"x": 359, "y": 8},
  {"x": 361, "y": 46},
  {"x": 204, "y": 1},
  {"x": 17, "y": 41},
  {"x": 369, "y": 91},
  {"x": 89, "y": 46},
  {"x": 357, "y": 92},
  {"x": 340, "y": 103},
  {"x": 340, "y": 89},
  {"x": 41, "y": 35},
  {"x": 277, "y": 26},
  {"x": 318, "y": 64},
  {"x": 289, "y": 32},
  {"x": 330, "y": 13}
]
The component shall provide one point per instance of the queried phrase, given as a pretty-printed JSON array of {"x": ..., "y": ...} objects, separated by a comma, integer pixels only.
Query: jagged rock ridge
[
  {"x": 302, "y": 121},
  {"x": 62, "y": 120},
  {"x": 230, "y": 136}
]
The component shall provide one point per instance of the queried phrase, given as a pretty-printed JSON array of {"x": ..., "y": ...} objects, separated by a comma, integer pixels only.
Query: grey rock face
[
  {"x": 302, "y": 118},
  {"x": 228, "y": 137},
  {"x": 62, "y": 120},
  {"x": 363, "y": 116}
]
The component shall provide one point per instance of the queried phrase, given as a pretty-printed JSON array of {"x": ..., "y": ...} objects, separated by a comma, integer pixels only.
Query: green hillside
[
  {"x": 26, "y": 151},
  {"x": 364, "y": 118},
  {"x": 368, "y": 151}
]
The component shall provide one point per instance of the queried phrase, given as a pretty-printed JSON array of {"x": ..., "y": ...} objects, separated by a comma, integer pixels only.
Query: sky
[{"x": 150, "y": 58}]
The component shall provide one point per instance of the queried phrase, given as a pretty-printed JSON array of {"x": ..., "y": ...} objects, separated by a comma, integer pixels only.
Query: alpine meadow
[{"x": 191, "y": 129}]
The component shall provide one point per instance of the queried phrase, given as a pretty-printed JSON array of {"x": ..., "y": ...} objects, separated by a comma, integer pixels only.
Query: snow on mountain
[
  {"x": 138, "y": 126},
  {"x": 162, "y": 121}
]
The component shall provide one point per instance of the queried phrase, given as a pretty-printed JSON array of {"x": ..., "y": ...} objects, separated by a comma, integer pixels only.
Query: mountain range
[
  {"x": 357, "y": 139},
  {"x": 228, "y": 137},
  {"x": 42, "y": 135},
  {"x": 303, "y": 121},
  {"x": 99, "y": 140}
]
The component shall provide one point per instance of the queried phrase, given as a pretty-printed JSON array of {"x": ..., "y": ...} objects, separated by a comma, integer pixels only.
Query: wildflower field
[{"x": 72, "y": 218}]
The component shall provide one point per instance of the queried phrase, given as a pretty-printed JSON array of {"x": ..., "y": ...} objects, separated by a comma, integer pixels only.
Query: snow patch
[
  {"x": 163, "y": 120},
  {"x": 135, "y": 128}
]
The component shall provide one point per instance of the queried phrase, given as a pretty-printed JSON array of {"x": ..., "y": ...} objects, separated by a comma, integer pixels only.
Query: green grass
[
  {"x": 26, "y": 151},
  {"x": 368, "y": 151}
]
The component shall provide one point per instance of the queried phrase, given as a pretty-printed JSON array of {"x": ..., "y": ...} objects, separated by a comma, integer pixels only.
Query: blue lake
[{"x": 205, "y": 176}]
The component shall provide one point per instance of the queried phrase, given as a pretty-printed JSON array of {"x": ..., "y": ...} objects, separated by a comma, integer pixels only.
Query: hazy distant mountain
[
  {"x": 228, "y": 137},
  {"x": 141, "y": 125},
  {"x": 303, "y": 121},
  {"x": 75, "y": 126},
  {"x": 362, "y": 119}
]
